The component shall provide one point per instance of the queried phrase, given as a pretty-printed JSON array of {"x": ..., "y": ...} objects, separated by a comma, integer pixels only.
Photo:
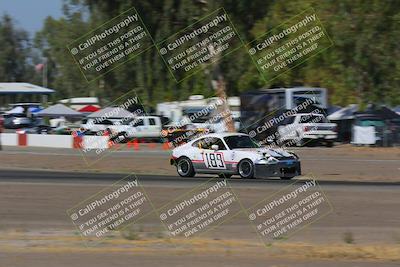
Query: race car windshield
[{"x": 240, "y": 141}]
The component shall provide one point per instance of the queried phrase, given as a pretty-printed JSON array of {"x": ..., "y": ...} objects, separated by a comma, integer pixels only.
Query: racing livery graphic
[{"x": 228, "y": 154}]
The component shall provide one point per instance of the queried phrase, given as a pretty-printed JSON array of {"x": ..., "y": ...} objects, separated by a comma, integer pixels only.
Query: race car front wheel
[
  {"x": 246, "y": 169},
  {"x": 185, "y": 167}
]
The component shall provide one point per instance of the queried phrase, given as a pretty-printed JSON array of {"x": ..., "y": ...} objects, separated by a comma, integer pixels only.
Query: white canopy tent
[
  {"x": 59, "y": 110},
  {"x": 345, "y": 113},
  {"x": 16, "y": 110}
]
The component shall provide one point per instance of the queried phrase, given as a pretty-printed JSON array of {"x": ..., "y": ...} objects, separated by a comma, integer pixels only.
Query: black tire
[
  {"x": 300, "y": 143},
  {"x": 118, "y": 138},
  {"x": 286, "y": 178},
  {"x": 329, "y": 144},
  {"x": 184, "y": 167},
  {"x": 285, "y": 143},
  {"x": 223, "y": 175},
  {"x": 246, "y": 169},
  {"x": 123, "y": 137}
]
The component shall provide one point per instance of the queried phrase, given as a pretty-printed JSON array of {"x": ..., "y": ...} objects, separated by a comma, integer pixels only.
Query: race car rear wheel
[
  {"x": 329, "y": 144},
  {"x": 184, "y": 167},
  {"x": 246, "y": 169}
]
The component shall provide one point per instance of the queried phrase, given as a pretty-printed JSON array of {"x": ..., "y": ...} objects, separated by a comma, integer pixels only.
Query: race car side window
[
  {"x": 218, "y": 141},
  {"x": 201, "y": 144},
  {"x": 196, "y": 144},
  {"x": 206, "y": 143}
]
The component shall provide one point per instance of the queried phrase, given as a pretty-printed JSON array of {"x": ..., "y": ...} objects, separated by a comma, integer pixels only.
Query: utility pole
[
  {"x": 219, "y": 85},
  {"x": 217, "y": 79},
  {"x": 44, "y": 73}
]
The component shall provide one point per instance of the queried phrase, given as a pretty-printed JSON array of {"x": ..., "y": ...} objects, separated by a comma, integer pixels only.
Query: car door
[
  {"x": 137, "y": 128},
  {"x": 195, "y": 154},
  {"x": 214, "y": 160},
  {"x": 153, "y": 129}
]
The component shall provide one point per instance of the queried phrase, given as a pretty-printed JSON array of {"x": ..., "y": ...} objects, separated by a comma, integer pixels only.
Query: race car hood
[{"x": 273, "y": 152}]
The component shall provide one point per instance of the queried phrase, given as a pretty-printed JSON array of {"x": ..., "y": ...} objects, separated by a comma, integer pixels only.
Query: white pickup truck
[
  {"x": 137, "y": 127},
  {"x": 302, "y": 127},
  {"x": 149, "y": 127}
]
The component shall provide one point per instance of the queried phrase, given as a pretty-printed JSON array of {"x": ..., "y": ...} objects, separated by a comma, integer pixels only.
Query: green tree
[
  {"x": 14, "y": 52},
  {"x": 362, "y": 66}
]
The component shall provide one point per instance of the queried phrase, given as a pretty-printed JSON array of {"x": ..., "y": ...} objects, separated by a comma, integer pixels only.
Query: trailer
[{"x": 263, "y": 110}]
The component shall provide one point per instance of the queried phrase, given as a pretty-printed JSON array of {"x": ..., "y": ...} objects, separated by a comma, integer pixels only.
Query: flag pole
[{"x": 44, "y": 72}]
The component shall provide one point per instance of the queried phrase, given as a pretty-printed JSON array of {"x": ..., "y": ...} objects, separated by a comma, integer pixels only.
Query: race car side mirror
[{"x": 214, "y": 147}]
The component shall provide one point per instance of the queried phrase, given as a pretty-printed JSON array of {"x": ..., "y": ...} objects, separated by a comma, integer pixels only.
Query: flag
[{"x": 39, "y": 67}]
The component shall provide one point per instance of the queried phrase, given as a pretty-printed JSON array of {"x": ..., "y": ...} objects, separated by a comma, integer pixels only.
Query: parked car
[
  {"x": 15, "y": 121},
  {"x": 302, "y": 127},
  {"x": 228, "y": 154},
  {"x": 37, "y": 126},
  {"x": 66, "y": 129},
  {"x": 38, "y": 129}
]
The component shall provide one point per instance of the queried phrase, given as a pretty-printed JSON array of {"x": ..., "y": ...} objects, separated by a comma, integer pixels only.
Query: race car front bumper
[
  {"x": 286, "y": 168},
  {"x": 312, "y": 136}
]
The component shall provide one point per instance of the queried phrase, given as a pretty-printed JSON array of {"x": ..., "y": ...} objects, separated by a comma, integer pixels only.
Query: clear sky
[{"x": 30, "y": 14}]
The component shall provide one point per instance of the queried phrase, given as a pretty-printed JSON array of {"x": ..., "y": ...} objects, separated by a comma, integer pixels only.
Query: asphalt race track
[
  {"x": 33, "y": 208},
  {"x": 162, "y": 180}
]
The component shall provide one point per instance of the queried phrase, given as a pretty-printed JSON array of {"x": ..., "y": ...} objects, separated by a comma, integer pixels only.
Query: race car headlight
[
  {"x": 269, "y": 160},
  {"x": 272, "y": 160},
  {"x": 262, "y": 161}
]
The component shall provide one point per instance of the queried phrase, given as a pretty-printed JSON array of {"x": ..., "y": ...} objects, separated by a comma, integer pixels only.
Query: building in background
[{"x": 17, "y": 92}]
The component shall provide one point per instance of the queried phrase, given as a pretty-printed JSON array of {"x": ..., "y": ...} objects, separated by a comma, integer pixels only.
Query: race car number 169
[{"x": 214, "y": 160}]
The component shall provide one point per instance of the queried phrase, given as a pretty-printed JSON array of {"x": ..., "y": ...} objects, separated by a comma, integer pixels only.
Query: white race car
[{"x": 227, "y": 154}]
